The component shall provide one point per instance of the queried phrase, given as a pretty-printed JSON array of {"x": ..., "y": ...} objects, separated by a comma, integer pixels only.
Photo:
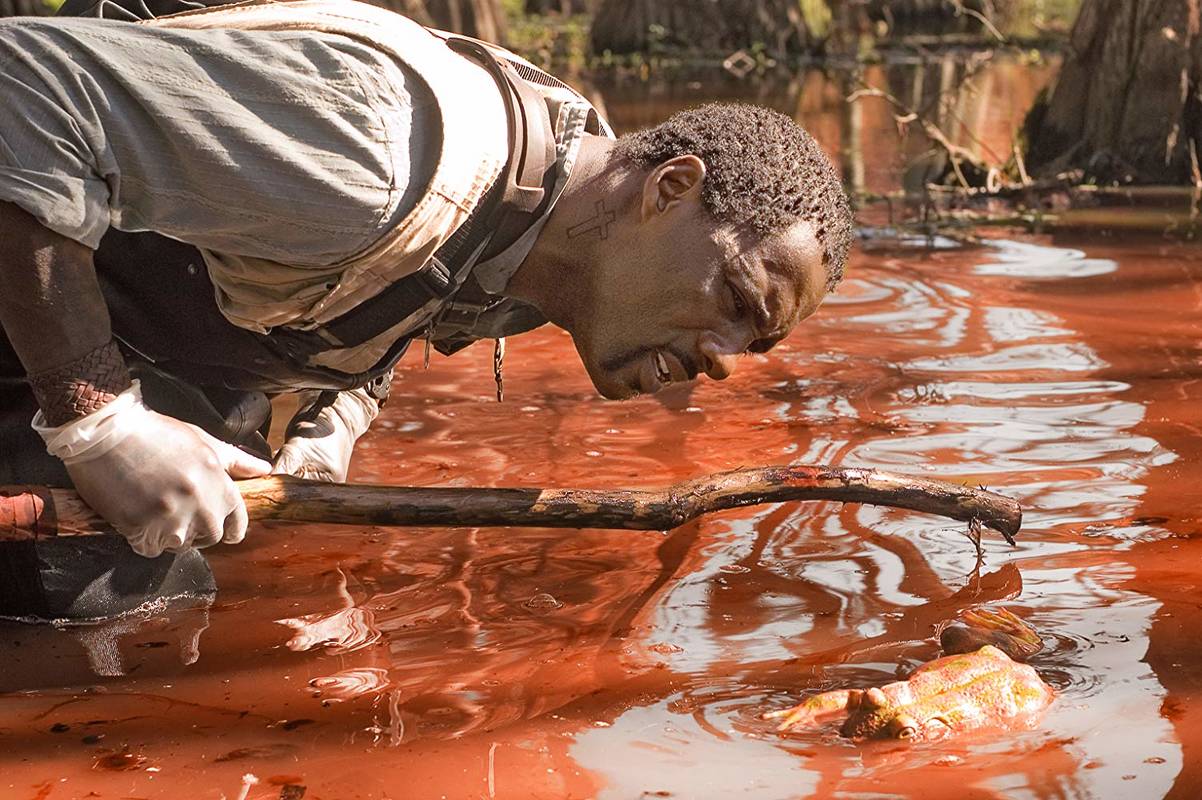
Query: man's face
[{"x": 677, "y": 295}]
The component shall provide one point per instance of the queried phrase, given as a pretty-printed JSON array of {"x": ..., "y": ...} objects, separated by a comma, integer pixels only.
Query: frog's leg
[
  {"x": 817, "y": 709},
  {"x": 996, "y": 626}
]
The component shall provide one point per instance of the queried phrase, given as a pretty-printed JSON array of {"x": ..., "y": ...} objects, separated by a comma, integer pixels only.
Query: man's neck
[{"x": 555, "y": 276}]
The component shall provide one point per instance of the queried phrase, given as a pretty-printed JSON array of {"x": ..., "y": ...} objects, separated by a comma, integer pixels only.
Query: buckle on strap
[
  {"x": 435, "y": 278},
  {"x": 462, "y": 315}
]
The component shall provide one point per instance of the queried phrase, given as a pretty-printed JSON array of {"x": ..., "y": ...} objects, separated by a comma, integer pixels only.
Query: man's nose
[{"x": 718, "y": 358}]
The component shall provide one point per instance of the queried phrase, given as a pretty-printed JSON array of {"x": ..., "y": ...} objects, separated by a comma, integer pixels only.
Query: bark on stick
[{"x": 27, "y": 511}]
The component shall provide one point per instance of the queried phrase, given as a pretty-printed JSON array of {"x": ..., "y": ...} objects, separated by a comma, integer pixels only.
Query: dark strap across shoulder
[{"x": 506, "y": 211}]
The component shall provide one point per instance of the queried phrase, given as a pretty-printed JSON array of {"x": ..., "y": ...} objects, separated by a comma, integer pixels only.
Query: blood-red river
[{"x": 363, "y": 662}]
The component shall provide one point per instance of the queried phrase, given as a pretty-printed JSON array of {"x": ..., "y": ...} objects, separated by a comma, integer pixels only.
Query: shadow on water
[{"x": 531, "y": 663}]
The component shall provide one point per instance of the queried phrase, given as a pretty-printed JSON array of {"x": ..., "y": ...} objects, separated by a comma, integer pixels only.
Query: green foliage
[
  {"x": 1036, "y": 18},
  {"x": 817, "y": 14},
  {"x": 563, "y": 43},
  {"x": 547, "y": 41}
]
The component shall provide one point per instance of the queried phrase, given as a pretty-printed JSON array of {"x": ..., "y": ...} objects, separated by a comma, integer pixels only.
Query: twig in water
[
  {"x": 248, "y": 780},
  {"x": 492, "y": 765},
  {"x": 961, "y": 9},
  {"x": 974, "y": 535},
  {"x": 27, "y": 512}
]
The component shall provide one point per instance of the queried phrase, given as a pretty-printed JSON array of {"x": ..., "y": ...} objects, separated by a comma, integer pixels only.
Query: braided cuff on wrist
[{"x": 81, "y": 387}]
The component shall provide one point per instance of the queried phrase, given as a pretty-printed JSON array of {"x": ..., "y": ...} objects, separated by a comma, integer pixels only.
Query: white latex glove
[
  {"x": 322, "y": 435},
  {"x": 163, "y": 484}
]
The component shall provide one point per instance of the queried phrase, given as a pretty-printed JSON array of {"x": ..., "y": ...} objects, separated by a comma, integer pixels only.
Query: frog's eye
[{"x": 903, "y": 726}]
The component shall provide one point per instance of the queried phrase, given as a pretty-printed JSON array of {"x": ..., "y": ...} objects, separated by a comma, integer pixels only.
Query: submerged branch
[{"x": 27, "y": 511}]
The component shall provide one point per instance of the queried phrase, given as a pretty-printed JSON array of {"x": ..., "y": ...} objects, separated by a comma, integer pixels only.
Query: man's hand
[
  {"x": 323, "y": 433},
  {"x": 169, "y": 488},
  {"x": 163, "y": 484}
]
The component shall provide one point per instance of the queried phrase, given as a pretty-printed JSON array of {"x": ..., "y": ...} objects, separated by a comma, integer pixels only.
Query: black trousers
[{"x": 96, "y": 577}]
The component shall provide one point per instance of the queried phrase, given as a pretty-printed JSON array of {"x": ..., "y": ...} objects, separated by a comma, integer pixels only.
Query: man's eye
[{"x": 740, "y": 306}]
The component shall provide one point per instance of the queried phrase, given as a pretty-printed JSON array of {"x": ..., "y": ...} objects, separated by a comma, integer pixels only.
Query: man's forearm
[{"x": 55, "y": 317}]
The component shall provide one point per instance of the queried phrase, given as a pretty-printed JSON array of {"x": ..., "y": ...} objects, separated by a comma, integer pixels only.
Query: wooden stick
[{"x": 26, "y": 511}]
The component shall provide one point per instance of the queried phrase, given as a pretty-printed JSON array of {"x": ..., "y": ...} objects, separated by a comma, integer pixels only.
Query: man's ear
[{"x": 677, "y": 180}]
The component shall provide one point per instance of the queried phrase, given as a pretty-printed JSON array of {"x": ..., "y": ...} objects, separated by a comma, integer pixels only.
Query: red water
[{"x": 374, "y": 663}]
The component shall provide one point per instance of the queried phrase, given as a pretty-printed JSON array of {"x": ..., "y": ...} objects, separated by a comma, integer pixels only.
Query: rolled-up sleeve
[{"x": 279, "y": 145}]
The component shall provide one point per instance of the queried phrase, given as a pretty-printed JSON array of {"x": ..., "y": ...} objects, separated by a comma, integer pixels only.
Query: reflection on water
[
  {"x": 369, "y": 662},
  {"x": 605, "y": 663},
  {"x": 348, "y": 629},
  {"x": 977, "y": 100},
  {"x": 952, "y": 361}
]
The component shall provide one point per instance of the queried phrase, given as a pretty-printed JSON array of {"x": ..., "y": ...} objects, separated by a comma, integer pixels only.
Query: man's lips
[
  {"x": 680, "y": 367},
  {"x": 664, "y": 366}
]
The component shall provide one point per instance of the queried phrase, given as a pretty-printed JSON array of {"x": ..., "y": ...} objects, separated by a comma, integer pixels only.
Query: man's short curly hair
[{"x": 762, "y": 169}]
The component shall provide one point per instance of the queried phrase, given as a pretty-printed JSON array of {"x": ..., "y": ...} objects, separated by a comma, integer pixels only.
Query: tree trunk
[
  {"x": 1125, "y": 106},
  {"x": 24, "y": 8},
  {"x": 564, "y": 7},
  {"x": 938, "y": 17},
  {"x": 547, "y": 6},
  {"x": 715, "y": 27},
  {"x": 482, "y": 19}
]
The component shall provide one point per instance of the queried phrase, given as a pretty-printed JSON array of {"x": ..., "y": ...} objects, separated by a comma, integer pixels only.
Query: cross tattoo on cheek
[{"x": 599, "y": 223}]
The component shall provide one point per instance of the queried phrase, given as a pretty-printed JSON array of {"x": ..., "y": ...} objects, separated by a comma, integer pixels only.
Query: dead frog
[{"x": 979, "y": 684}]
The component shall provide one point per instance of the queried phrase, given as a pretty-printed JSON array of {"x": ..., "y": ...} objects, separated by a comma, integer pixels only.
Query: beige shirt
[
  {"x": 471, "y": 131},
  {"x": 294, "y": 147},
  {"x": 286, "y": 140}
]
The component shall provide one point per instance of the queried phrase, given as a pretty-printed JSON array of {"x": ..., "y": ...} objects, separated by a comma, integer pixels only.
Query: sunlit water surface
[
  {"x": 375, "y": 663},
  {"x": 534, "y": 663}
]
